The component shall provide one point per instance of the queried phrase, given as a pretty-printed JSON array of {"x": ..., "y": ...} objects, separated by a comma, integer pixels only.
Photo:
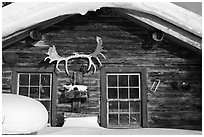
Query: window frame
[
  {"x": 17, "y": 70},
  {"x": 143, "y": 93}
]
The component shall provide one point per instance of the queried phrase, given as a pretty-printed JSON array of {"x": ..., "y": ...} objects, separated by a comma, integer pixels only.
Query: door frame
[{"x": 123, "y": 69}]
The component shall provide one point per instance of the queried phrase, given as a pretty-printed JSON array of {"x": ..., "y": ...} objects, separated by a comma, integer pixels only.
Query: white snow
[
  {"x": 71, "y": 87},
  {"x": 89, "y": 126},
  {"x": 19, "y": 16},
  {"x": 170, "y": 12}
]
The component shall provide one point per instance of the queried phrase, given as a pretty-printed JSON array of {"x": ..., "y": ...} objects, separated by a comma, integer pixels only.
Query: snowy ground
[{"x": 89, "y": 126}]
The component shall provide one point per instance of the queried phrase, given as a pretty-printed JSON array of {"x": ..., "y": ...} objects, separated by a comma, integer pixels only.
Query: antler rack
[{"x": 53, "y": 56}]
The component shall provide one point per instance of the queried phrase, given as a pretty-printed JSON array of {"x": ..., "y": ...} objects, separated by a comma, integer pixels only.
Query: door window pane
[
  {"x": 134, "y": 119},
  {"x": 123, "y": 80},
  {"x": 123, "y": 93},
  {"x": 112, "y": 93},
  {"x": 134, "y": 80},
  {"x": 112, "y": 80},
  {"x": 134, "y": 93},
  {"x": 124, "y": 106},
  {"x": 113, "y": 106},
  {"x": 124, "y": 119},
  {"x": 113, "y": 119},
  {"x": 134, "y": 106}
]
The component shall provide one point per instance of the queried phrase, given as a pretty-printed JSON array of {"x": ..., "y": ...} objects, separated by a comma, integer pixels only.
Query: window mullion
[
  {"x": 50, "y": 86},
  {"x": 29, "y": 77},
  {"x": 129, "y": 97},
  {"x": 40, "y": 86},
  {"x": 118, "y": 99}
]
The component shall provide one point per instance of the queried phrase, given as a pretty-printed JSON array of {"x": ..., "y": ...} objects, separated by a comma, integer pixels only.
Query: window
[
  {"x": 122, "y": 98},
  {"x": 40, "y": 85},
  {"x": 35, "y": 85}
]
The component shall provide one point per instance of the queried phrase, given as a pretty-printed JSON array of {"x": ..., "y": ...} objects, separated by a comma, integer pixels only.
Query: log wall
[{"x": 170, "y": 106}]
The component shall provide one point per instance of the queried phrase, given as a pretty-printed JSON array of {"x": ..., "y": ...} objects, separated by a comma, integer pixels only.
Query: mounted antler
[{"x": 53, "y": 56}]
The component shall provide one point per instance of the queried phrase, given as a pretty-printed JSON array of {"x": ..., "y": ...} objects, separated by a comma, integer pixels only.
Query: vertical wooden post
[{"x": 76, "y": 105}]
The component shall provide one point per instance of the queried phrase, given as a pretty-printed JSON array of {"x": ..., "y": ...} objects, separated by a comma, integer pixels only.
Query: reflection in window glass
[
  {"x": 45, "y": 80},
  {"x": 45, "y": 92},
  {"x": 135, "y": 119}
]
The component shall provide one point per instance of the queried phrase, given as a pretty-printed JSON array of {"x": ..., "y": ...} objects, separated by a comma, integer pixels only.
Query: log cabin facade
[{"x": 142, "y": 82}]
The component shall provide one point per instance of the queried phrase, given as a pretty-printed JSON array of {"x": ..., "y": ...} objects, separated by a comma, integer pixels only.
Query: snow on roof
[{"x": 19, "y": 16}]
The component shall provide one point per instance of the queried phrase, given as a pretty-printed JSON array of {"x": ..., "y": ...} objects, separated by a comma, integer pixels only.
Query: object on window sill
[{"x": 155, "y": 85}]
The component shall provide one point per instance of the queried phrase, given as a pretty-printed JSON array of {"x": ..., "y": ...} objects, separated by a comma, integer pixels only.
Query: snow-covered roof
[{"x": 20, "y": 16}]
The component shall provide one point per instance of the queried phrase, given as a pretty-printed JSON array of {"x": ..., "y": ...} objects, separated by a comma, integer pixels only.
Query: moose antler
[{"x": 53, "y": 56}]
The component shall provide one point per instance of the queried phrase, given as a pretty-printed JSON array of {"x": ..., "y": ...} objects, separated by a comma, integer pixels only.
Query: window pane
[
  {"x": 113, "y": 119},
  {"x": 112, "y": 80},
  {"x": 34, "y": 80},
  {"x": 124, "y": 119},
  {"x": 34, "y": 92},
  {"x": 24, "y": 79},
  {"x": 135, "y": 119},
  {"x": 123, "y": 80},
  {"x": 134, "y": 106},
  {"x": 112, "y": 93},
  {"x": 44, "y": 92},
  {"x": 124, "y": 106},
  {"x": 45, "y": 80},
  {"x": 23, "y": 91},
  {"x": 113, "y": 106},
  {"x": 46, "y": 104},
  {"x": 134, "y": 93},
  {"x": 134, "y": 80},
  {"x": 123, "y": 93}
]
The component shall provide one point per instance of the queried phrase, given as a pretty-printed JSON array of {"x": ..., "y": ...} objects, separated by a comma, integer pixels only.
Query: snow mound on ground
[{"x": 81, "y": 122}]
